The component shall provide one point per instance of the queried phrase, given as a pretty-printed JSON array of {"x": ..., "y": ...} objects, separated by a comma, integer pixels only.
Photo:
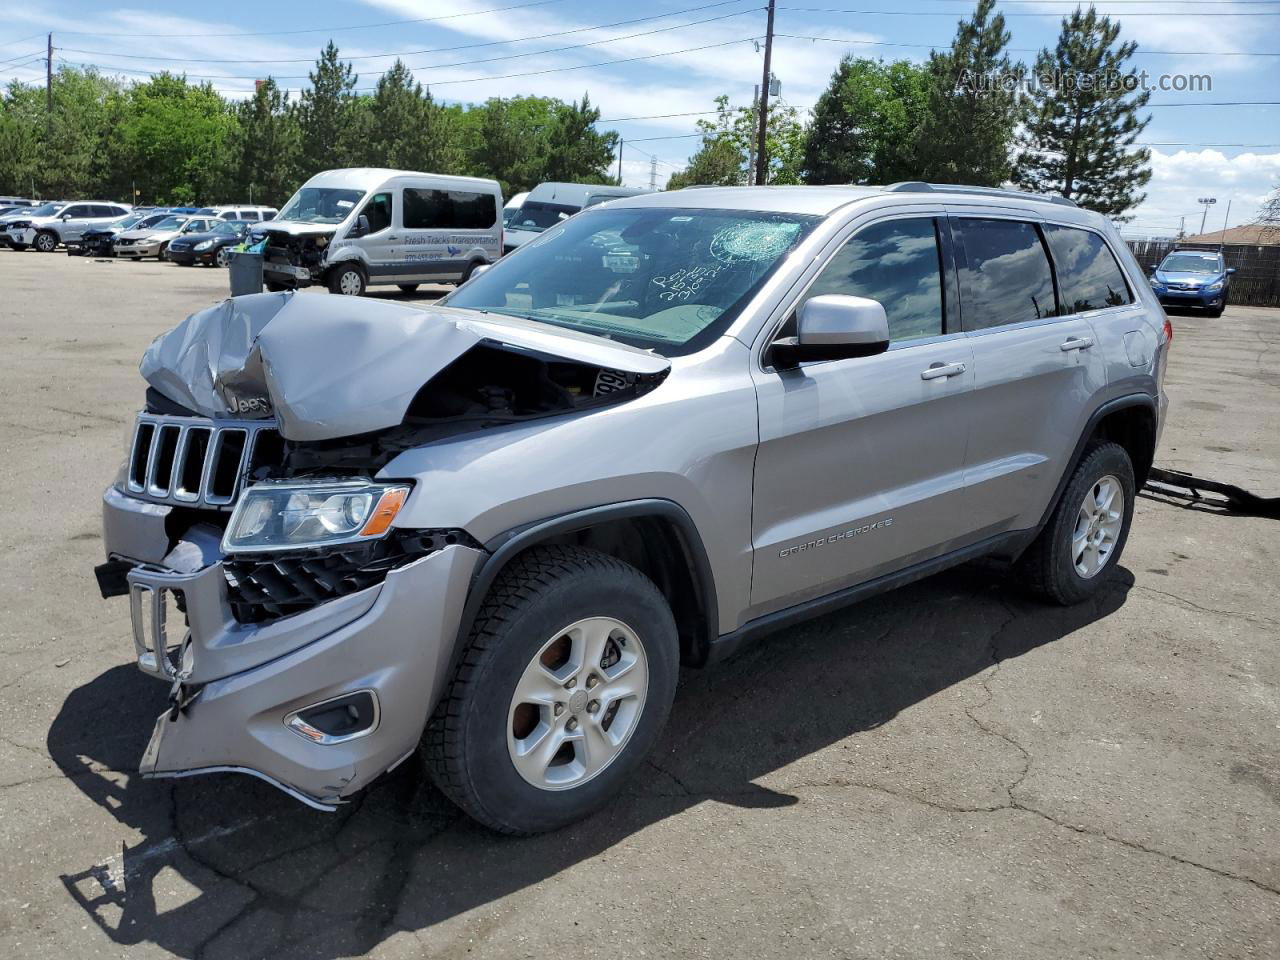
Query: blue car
[{"x": 1193, "y": 278}]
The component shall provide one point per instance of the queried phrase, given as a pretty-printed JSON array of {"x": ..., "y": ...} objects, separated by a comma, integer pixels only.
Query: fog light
[{"x": 336, "y": 720}]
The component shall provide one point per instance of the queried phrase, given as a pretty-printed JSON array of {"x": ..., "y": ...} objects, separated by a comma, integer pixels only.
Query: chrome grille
[{"x": 194, "y": 462}]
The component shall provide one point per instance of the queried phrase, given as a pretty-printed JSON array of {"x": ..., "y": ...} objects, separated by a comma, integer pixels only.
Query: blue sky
[{"x": 471, "y": 49}]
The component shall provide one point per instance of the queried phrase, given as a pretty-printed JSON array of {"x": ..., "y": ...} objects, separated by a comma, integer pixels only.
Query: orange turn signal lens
[{"x": 389, "y": 505}]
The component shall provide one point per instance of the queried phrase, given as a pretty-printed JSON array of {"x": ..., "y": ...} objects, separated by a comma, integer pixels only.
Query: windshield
[
  {"x": 320, "y": 205},
  {"x": 169, "y": 223},
  {"x": 667, "y": 279},
  {"x": 225, "y": 229},
  {"x": 537, "y": 216},
  {"x": 46, "y": 209},
  {"x": 1191, "y": 263}
]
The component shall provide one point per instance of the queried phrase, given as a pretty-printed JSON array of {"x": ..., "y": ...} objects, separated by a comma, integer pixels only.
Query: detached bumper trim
[{"x": 324, "y": 806}]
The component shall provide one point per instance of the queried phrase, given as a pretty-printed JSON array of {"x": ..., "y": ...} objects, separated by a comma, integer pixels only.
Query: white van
[
  {"x": 352, "y": 228},
  {"x": 241, "y": 212},
  {"x": 548, "y": 204}
]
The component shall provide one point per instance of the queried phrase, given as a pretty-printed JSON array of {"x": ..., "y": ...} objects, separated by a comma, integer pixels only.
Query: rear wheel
[
  {"x": 163, "y": 252},
  {"x": 563, "y": 689},
  {"x": 347, "y": 280},
  {"x": 1070, "y": 559},
  {"x": 46, "y": 241}
]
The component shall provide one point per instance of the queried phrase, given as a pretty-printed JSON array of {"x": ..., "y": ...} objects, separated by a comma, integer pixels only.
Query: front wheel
[
  {"x": 1083, "y": 540},
  {"x": 563, "y": 689},
  {"x": 46, "y": 242},
  {"x": 223, "y": 256},
  {"x": 407, "y": 287},
  {"x": 347, "y": 280}
]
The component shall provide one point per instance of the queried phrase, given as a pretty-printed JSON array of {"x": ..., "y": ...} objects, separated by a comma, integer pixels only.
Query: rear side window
[
  {"x": 248, "y": 214},
  {"x": 1004, "y": 273},
  {"x": 449, "y": 210},
  {"x": 898, "y": 263},
  {"x": 1088, "y": 275},
  {"x": 227, "y": 215}
]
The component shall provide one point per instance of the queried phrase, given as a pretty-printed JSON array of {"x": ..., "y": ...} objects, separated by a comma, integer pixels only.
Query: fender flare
[
  {"x": 505, "y": 546},
  {"x": 1106, "y": 409}
]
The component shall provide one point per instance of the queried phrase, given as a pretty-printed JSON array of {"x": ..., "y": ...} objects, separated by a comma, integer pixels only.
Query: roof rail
[{"x": 919, "y": 186}]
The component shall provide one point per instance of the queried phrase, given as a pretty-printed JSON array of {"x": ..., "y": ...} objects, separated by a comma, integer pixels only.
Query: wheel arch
[
  {"x": 656, "y": 536},
  {"x": 1130, "y": 421}
]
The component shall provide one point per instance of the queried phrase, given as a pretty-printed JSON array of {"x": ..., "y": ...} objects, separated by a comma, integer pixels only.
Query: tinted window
[
  {"x": 77, "y": 210},
  {"x": 449, "y": 210},
  {"x": 1004, "y": 274},
  {"x": 378, "y": 210},
  {"x": 248, "y": 214},
  {"x": 102, "y": 210},
  {"x": 897, "y": 263},
  {"x": 1088, "y": 275}
]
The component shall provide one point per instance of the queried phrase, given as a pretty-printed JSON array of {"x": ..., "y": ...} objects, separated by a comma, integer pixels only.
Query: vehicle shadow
[{"x": 273, "y": 878}]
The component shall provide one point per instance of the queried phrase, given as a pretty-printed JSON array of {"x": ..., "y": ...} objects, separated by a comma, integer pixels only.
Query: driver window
[
  {"x": 378, "y": 210},
  {"x": 898, "y": 263}
]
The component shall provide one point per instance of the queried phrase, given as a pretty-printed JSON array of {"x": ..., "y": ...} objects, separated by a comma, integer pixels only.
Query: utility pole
[
  {"x": 762, "y": 156},
  {"x": 620, "y": 143},
  {"x": 48, "y": 88},
  {"x": 653, "y": 173},
  {"x": 1223, "y": 236}
]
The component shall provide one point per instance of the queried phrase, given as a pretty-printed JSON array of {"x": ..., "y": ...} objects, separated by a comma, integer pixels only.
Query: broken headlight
[{"x": 292, "y": 515}]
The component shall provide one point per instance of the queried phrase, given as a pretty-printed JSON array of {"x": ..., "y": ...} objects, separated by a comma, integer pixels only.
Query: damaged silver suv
[{"x": 494, "y": 529}]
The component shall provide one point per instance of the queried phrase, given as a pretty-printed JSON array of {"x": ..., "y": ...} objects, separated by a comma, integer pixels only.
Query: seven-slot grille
[{"x": 194, "y": 462}]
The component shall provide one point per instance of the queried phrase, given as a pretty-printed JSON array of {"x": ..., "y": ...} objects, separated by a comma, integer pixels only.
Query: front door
[
  {"x": 381, "y": 245},
  {"x": 860, "y": 468}
]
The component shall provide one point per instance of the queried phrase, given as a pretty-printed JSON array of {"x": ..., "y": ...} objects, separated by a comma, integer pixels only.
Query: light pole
[{"x": 1207, "y": 202}]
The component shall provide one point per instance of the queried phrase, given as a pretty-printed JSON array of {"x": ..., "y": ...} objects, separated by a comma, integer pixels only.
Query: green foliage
[
  {"x": 728, "y": 144},
  {"x": 866, "y": 123},
  {"x": 974, "y": 104},
  {"x": 1079, "y": 138},
  {"x": 329, "y": 114},
  {"x": 268, "y": 146}
]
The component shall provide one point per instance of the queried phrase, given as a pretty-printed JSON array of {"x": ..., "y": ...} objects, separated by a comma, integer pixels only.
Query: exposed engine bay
[{"x": 286, "y": 249}]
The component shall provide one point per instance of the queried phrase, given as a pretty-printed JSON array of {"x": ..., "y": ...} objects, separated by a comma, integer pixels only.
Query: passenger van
[
  {"x": 349, "y": 229},
  {"x": 549, "y": 203},
  {"x": 238, "y": 212}
]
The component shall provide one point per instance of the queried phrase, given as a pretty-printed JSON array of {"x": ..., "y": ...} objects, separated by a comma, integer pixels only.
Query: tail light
[{"x": 1168, "y": 330}]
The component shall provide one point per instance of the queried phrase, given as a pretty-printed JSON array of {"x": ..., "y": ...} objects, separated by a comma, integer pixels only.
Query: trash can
[{"x": 246, "y": 273}]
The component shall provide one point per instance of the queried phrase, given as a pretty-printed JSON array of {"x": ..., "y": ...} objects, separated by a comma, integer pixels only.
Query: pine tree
[
  {"x": 269, "y": 145},
  {"x": 327, "y": 114},
  {"x": 974, "y": 105},
  {"x": 1079, "y": 137}
]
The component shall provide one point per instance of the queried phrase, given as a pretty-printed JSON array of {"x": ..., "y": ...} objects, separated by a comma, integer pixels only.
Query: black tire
[
  {"x": 1215, "y": 312},
  {"x": 467, "y": 271},
  {"x": 273, "y": 287},
  {"x": 543, "y": 591},
  {"x": 407, "y": 287},
  {"x": 46, "y": 241},
  {"x": 350, "y": 277},
  {"x": 163, "y": 253},
  {"x": 1047, "y": 566},
  {"x": 19, "y": 247}
]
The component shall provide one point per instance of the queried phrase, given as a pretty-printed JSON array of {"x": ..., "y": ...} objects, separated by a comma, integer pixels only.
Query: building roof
[{"x": 1249, "y": 234}]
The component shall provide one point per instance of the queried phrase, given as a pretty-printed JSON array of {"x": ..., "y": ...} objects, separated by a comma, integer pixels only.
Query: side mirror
[
  {"x": 1230, "y": 271},
  {"x": 833, "y": 327},
  {"x": 65, "y": 217},
  {"x": 361, "y": 228},
  {"x": 478, "y": 269}
]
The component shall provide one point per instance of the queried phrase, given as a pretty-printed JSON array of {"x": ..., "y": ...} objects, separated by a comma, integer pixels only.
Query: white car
[
  {"x": 152, "y": 241},
  {"x": 52, "y": 224}
]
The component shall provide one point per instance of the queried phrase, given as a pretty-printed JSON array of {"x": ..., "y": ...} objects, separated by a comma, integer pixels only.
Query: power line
[
  {"x": 23, "y": 56},
  {"x": 660, "y": 116},
  {"x": 1057, "y": 13},
  {"x": 410, "y": 53},
  {"x": 281, "y": 33},
  {"x": 936, "y": 46}
]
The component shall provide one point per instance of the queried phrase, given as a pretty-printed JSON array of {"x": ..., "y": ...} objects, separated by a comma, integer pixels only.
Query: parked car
[
  {"x": 513, "y": 207},
  {"x": 550, "y": 203},
  {"x": 250, "y": 212},
  {"x": 1193, "y": 278},
  {"x": 212, "y": 247},
  {"x": 350, "y": 229},
  {"x": 23, "y": 214},
  {"x": 494, "y": 528},
  {"x": 68, "y": 222},
  {"x": 153, "y": 241},
  {"x": 97, "y": 241},
  {"x": 18, "y": 202}
]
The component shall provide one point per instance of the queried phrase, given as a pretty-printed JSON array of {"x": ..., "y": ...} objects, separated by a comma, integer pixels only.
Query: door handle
[
  {"x": 393, "y": 237},
  {"x": 1076, "y": 343},
  {"x": 936, "y": 370}
]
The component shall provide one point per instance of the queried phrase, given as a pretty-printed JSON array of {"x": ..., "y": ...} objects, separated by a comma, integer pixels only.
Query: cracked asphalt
[{"x": 952, "y": 770}]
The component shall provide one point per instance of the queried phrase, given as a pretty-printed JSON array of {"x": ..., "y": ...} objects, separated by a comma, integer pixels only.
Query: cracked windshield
[{"x": 670, "y": 280}]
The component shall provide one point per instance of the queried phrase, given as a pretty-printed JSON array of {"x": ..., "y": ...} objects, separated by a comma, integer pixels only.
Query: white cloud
[{"x": 1179, "y": 179}]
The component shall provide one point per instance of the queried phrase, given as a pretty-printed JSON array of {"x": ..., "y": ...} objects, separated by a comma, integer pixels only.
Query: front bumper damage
[{"x": 235, "y": 685}]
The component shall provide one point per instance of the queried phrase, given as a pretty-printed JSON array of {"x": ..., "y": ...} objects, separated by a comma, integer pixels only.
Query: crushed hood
[{"x": 329, "y": 367}]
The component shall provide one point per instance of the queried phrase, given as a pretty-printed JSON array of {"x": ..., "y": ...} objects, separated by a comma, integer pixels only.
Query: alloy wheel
[
  {"x": 46, "y": 242},
  {"x": 1097, "y": 527},
  {"x": 577, "y": 703},
  {"x": 223, "y": 256}
]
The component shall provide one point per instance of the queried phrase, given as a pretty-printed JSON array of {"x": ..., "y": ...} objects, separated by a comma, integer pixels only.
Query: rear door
[
  {"x": 860, "y": 468},
  {"x": 1036, "y": 366},
  {"x": 445, "y": 230}
]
